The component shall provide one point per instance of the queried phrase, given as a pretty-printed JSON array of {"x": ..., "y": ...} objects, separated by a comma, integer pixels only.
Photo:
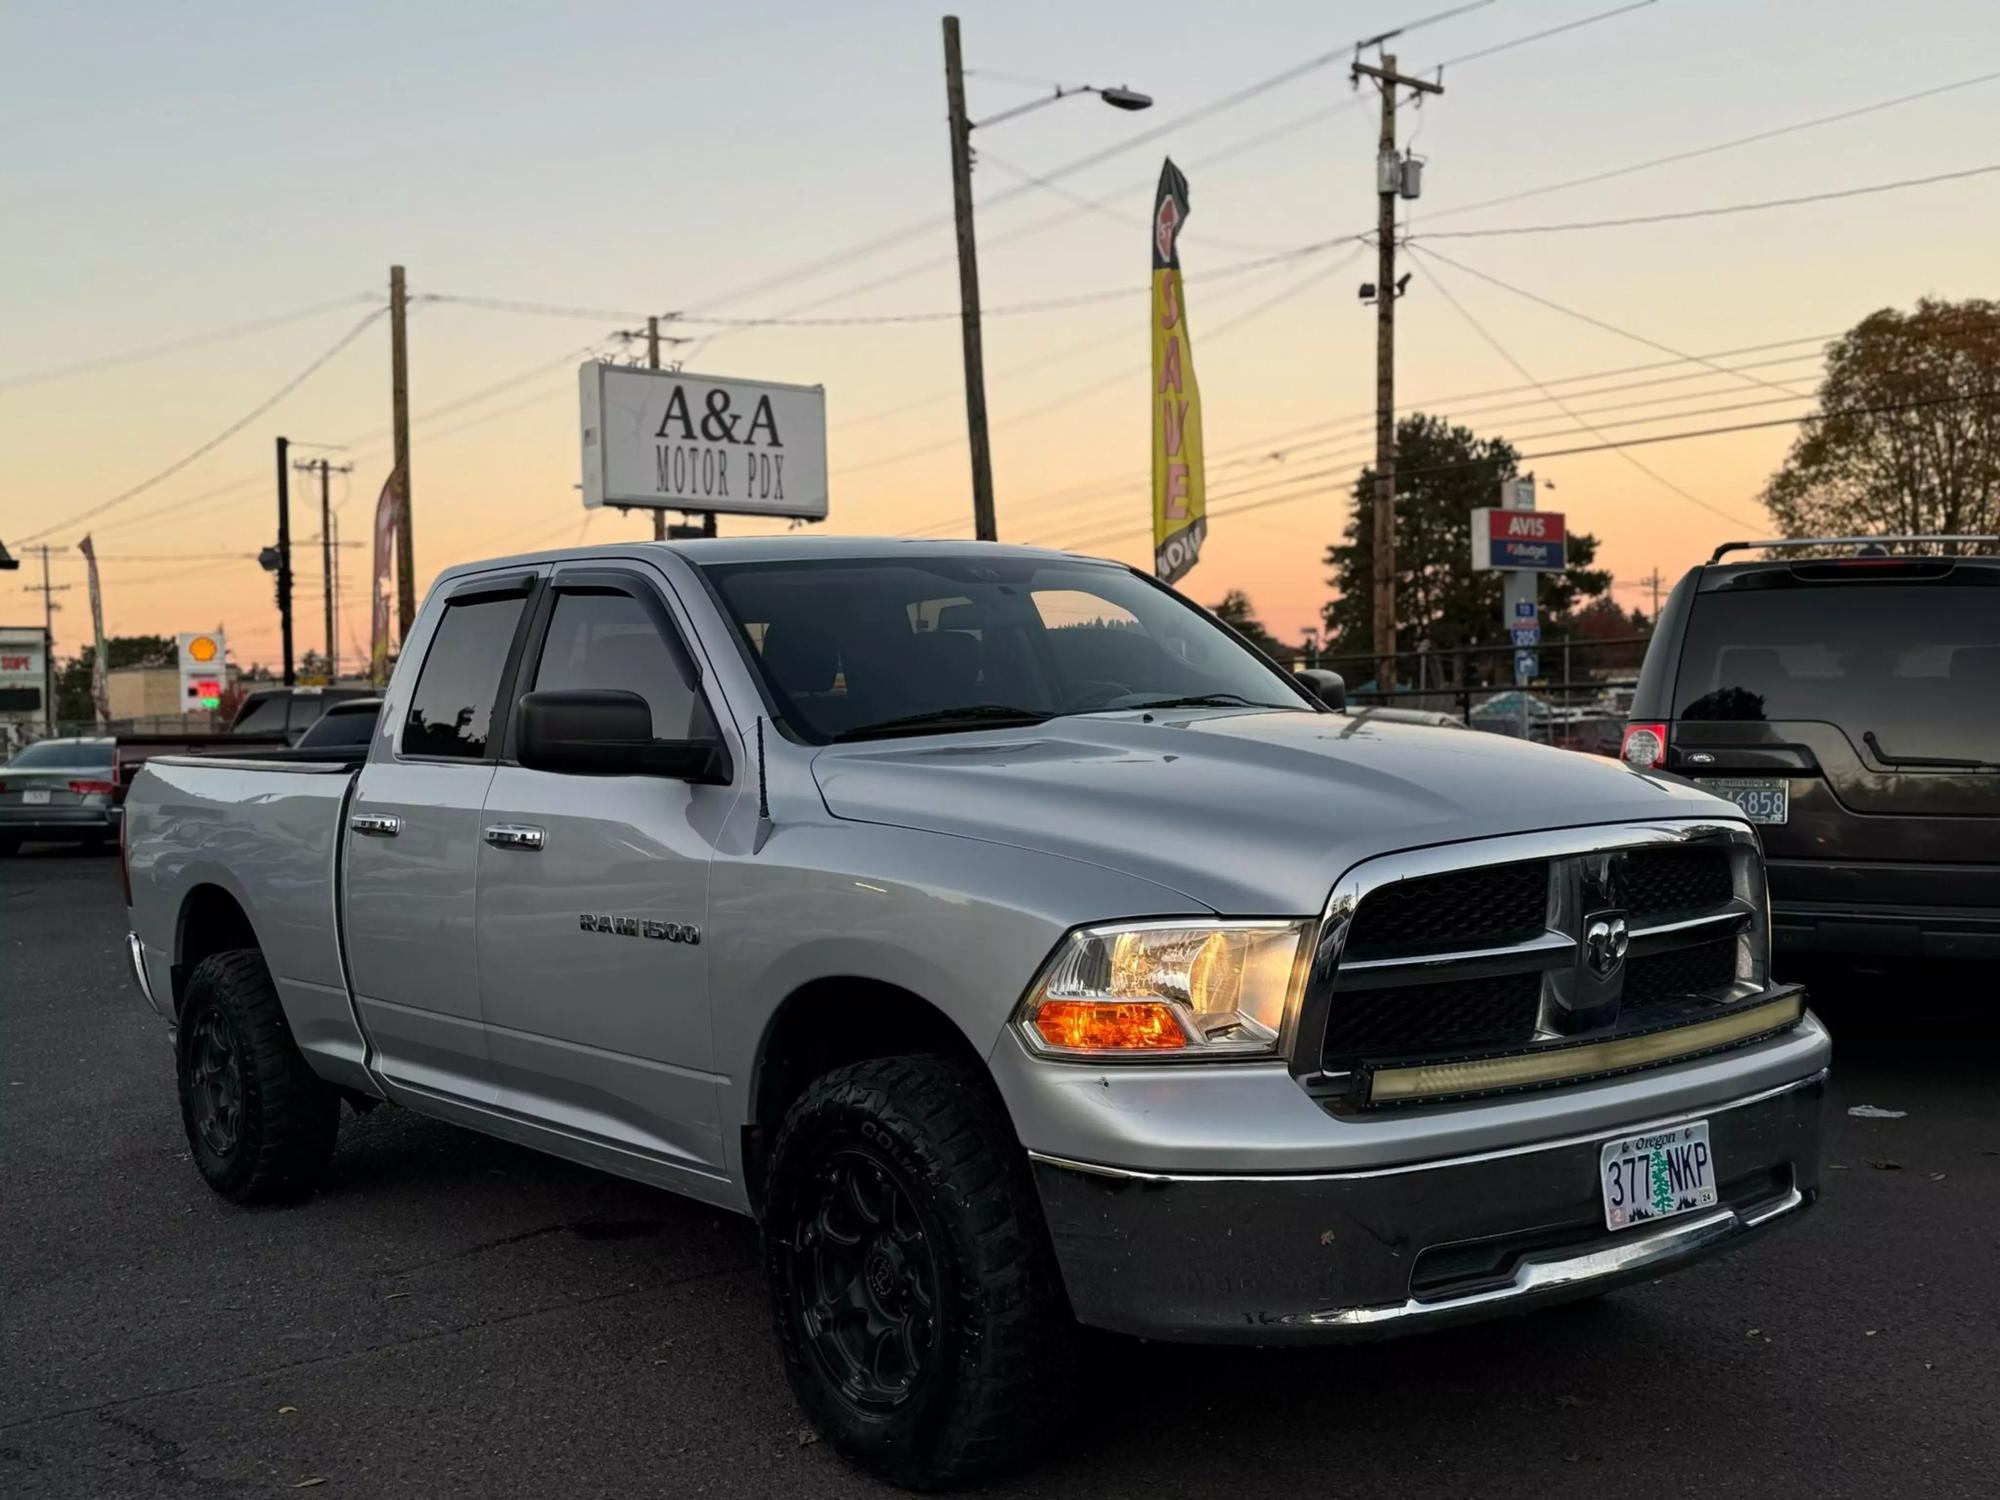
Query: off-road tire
[
  {"x": 284, "y": 1116},
  {"x": 993, "y": 1389}
]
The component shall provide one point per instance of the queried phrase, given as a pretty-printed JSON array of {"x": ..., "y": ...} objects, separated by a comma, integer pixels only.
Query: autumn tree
[
  {"x": 1442, "y": 473},
  {"x": 1929, "y": 467}
]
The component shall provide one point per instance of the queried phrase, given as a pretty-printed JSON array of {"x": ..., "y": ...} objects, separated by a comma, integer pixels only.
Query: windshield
[
  {"x": 854, "y": 647},
  {"x": 1915, "y": 664},
  {"x": 65, "y": 753}
]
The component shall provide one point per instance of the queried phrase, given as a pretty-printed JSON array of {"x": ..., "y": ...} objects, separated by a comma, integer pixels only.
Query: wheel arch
[
  {"x": 211, "y": 920},
  {"x": 825, "y": 1023}
]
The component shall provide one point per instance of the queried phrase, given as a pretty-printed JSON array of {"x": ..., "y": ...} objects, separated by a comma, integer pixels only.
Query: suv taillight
[
  {"x": 93, "y": 788},
  {"x": 1644, "y": 747}
]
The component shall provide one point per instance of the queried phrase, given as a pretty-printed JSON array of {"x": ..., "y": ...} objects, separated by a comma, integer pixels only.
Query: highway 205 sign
[
  {"x": 665, "y": 440},
  {"x": 1529, "y": 541}
]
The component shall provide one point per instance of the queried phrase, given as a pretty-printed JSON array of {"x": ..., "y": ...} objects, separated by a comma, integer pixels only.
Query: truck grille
[
  {"x": 1462, "y": 908},
  {"x": 1433, "y": 961}
]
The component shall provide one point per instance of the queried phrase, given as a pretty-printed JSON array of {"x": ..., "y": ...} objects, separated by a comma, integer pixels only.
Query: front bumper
[
  {"x": 1851, "y": 929},
  {"x": 1375, "y": 1252}
]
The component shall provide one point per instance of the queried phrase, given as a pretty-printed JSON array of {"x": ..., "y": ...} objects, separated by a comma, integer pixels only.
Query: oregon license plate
[
  {"x": 1651, "y": 1177},
  {"x": 1764, "y": 799},
  {"x": 34, "y": 797}
]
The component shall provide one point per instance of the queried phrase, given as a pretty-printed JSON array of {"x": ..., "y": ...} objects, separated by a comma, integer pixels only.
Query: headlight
[{"x": 1161, "y": 989}]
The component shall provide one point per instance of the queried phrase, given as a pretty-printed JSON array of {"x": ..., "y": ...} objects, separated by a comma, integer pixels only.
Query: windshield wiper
[
  {"x": 1189, "y": 700},
  {"x": 972, "y": 716},
  {"x": 1943, "y": 762}
]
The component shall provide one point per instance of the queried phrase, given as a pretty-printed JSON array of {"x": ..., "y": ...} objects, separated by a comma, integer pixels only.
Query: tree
[
  {"x": 1602, "y": 620},
  {"x": 1237, "y": 610},
  {"x": 73, "y": 700},
  {"x": 1442, "y": 473},
  {"x": 1925, "y": 470}
]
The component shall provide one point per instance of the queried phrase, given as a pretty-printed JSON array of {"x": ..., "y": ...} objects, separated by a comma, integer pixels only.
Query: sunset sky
[{"x": 172, "y": 172}]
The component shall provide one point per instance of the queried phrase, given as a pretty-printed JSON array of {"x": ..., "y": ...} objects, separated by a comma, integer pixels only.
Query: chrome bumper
[{"x": 1371, "y": 1254}]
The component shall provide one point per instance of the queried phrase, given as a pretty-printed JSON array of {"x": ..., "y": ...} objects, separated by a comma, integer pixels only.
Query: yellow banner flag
[{"x": 1180, "y": 488}]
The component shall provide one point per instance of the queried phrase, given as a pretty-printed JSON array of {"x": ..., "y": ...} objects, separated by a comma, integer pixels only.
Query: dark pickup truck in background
[{"x": 1849, "y": 703}]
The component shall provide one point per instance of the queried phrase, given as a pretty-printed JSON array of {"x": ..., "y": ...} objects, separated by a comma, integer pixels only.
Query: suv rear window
[{"x": 1916, "y": 663}]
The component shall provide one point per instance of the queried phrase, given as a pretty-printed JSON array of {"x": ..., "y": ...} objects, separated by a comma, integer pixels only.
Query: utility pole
[
  {"x": 49, "y": 607},
  {"x": 399, "y": 421},
  {"x": 1654, "y": 581},
  {"x": 983, "y": 524},
  {"x": 327, "y": 574},
  {"x": 285, "y": 554},
  {"x": 653, "y": 363},
  {"x": 1388, "y": 185}
]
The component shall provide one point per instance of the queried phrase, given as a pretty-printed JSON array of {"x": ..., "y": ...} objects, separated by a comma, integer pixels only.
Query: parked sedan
[{"x": 58, "y": 790}]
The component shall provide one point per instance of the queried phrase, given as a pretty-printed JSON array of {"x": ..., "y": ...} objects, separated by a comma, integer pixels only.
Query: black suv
[{"x": 1849, "y": 703}]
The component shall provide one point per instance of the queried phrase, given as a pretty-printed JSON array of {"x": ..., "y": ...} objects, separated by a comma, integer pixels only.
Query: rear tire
[
  {"x": 919, "y": 1308},
  {"x": 261, "y": 1124}
]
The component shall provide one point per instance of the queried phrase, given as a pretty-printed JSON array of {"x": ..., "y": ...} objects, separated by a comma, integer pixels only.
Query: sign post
[
  {"x": 1521, "y": 543},
  {"x": 202, "y": 655},
  {"x": 667, "y": 440}
]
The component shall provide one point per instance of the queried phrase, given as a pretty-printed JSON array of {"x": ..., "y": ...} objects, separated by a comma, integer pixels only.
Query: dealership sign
[
  {"x": 664, "y": 440},
  {"x": 202, "y": 655},
  {"x": 1519, "y": 540}
]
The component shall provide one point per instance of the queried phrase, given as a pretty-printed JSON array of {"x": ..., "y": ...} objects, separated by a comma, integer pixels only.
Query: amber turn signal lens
[{"x": 1109, "y": 1025}]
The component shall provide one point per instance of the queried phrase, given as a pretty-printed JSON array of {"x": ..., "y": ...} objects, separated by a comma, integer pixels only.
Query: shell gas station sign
[{"x": 203, "y": 656}]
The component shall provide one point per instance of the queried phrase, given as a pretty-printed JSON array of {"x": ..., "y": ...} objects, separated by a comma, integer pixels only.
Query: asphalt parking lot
[{"x": 454, "y": 1316}]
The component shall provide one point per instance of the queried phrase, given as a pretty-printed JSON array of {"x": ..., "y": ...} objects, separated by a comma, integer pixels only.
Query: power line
[
  {"x": 1668, "y": 437},
  {"x": 1539, "y": 36},
  {"x": 1720, "y": 146},
  {"x": 176, "y": 346},
  {"x": 1569, "y": 411},
  {"x": 1679, "y": 215},
  {"x": 220, "y": 438},
  {"x": 1612, "y": 328}
]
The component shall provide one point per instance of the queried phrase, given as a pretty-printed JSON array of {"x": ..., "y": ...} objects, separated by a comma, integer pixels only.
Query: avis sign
[
  {"x": 664, "y": 440},
  {"x": 1528, "y": 541}
]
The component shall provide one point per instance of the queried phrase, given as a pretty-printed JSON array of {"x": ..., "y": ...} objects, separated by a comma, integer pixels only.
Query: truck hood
[{"x": 1246, "y": 812}]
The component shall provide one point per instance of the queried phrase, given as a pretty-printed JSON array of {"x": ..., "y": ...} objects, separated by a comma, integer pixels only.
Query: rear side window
[
  {"x": 451, "y": 709},
  {"x": 609, "y": 640},
  {"x": 265, "y": 715},
  {"x": 1917, "y": 664}
]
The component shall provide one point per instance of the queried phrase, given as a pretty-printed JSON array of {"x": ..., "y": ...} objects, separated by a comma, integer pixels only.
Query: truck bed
[{"x": 264, "y": 832}]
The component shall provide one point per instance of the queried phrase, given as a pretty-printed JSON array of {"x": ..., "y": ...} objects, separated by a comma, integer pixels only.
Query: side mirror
[
  {"x": 608, "y": 732},
  {"x": 1329, "y": 687}
]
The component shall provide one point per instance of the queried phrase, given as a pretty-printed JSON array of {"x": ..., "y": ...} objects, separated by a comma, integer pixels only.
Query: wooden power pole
[
  {"x": 48, "y": 592},
  {"x": 285, "y": 555},
  {"x": 1388, "y": 186},
  {"x": 983, "y": 524},
  {"x": 399, "y": 420},
  {"x": 328, "y": 574},
  {"x": 653, "y": 363}
]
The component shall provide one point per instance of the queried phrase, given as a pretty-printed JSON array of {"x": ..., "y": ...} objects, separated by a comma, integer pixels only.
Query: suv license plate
[
  {"x": 1763, "y": 799},
  {"x": 1650, "y": 1177}
]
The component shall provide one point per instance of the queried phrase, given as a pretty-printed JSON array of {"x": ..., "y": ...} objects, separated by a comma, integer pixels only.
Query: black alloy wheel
[
  {"x": 866, "y": 1281},
  {"x": 215, "y": 1083}
]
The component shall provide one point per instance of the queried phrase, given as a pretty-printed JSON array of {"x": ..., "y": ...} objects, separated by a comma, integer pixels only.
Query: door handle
[
  {"x": 514, "y": 836},
  {"x": 381, "y": 825}
]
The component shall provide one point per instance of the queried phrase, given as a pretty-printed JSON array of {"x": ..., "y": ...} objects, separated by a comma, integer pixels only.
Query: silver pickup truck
[{"x": 1014, "y": 942}]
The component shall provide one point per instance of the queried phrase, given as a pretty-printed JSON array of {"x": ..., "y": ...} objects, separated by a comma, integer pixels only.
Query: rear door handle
[
  {"x": 381, "y": 825},
  {"x": 514, "y": 836}
]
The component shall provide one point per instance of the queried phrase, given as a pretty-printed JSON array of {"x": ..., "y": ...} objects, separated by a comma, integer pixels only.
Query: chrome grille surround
[{"x": 1585, "y": 882}]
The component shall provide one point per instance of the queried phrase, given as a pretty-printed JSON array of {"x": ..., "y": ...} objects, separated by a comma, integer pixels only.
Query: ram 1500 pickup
[{"x": 1016, "y": 943}]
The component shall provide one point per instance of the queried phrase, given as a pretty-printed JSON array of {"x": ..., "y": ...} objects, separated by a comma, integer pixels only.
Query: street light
[{"x": 984, "y": 526}]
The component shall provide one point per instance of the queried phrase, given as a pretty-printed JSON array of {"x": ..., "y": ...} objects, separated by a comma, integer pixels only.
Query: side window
[
  {"x": 601, "y": 639},
  {"x": 265, "y": 715},
  {"x": 451, "y": 710}
]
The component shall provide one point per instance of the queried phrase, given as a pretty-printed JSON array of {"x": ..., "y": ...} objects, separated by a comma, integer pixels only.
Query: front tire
[
  {"x": 919, "y": 1309},
  {"x": 261, "y": 1124}
]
